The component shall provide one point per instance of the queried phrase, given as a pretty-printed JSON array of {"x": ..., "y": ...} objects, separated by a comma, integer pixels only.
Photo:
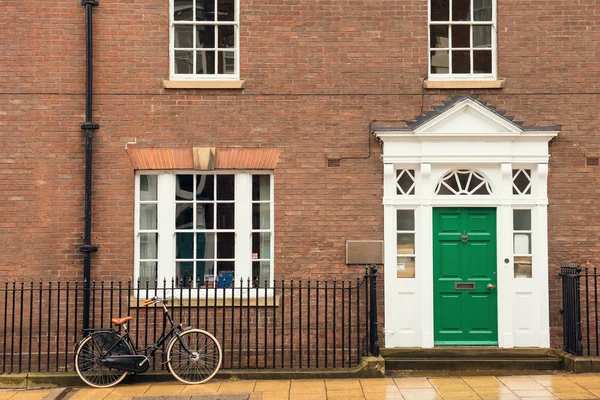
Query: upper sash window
[
  {"x": 204, "y": 39},
  {"x": 462, "y": 39}
]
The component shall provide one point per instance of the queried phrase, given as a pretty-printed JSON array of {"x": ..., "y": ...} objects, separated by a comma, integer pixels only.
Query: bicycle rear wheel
[
  {"x": 194, "y": 356},
  {"x": 88, "y": 352}
]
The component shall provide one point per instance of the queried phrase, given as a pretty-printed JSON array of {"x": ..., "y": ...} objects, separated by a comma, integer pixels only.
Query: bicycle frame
[{"x": 153, "y": 348}]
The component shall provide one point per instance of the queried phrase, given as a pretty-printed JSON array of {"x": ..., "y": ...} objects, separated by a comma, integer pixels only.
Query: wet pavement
[{"x": 535, "y": 387}]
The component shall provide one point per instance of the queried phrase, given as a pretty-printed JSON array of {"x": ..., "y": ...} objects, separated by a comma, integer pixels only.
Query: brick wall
[{"x": 317, "y": 73}]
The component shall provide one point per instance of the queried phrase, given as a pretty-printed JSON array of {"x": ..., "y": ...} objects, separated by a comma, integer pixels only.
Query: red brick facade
[{"x": 317, "y": 74}]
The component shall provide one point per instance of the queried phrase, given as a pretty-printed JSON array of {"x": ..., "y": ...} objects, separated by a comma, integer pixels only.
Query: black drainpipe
[{"x": 88, "y": 127}]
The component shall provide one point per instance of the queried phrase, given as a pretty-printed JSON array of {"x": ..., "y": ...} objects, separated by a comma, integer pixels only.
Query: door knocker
[{"x": 464, "y": 238}]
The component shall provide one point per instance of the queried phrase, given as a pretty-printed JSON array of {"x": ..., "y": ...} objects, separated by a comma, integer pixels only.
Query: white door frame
[{"x": 473, "y": 137}]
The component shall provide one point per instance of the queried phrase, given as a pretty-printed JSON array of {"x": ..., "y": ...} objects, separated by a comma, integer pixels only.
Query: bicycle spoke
[
  {"x": 194, "y": 357},
  {"x": 90, "y": 350}
]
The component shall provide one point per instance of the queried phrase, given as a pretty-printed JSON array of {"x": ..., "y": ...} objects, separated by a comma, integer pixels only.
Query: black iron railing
[
  {"x": 293, "y": 323},
  {"x": 580, "y": 318}
]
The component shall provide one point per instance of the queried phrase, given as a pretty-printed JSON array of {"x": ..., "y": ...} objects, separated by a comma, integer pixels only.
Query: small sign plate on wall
[{"x": 364, "y": 252}]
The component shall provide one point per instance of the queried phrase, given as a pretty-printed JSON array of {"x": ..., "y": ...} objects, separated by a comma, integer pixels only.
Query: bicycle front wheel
[
  {"x": 93, "y": 347},
  {"x": 194, "y": 356}
]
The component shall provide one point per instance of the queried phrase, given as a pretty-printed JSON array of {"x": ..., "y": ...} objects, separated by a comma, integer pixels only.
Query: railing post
[
  {"x": 578, "y": 312},
  {"x": 373, "y": 329}
]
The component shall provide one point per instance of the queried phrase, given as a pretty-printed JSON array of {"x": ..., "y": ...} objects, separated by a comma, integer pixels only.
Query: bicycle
[{"x": 105, "y": 357}]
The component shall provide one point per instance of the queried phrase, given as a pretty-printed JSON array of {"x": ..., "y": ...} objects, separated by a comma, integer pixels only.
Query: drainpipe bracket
[
  {"x": 88, "y": 248},
  {"x": 90, "y": 126},
  {"x": 92, "y": 2}
]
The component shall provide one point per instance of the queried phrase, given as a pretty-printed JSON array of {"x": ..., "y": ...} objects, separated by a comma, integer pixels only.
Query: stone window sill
[
  {"x": 174, "y": 84},
  {"x": 464, "y": 84}
]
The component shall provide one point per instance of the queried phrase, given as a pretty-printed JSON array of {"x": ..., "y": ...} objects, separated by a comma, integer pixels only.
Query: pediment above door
[
  {"x": 469, "y": 117},
  {"x": 467, "y": 128}
]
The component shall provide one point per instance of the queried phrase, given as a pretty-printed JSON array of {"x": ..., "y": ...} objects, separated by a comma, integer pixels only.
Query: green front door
[{"x": 464, "y": 273}]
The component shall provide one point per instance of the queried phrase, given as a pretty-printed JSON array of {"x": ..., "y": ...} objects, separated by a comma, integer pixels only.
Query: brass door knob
[{"x": 490, "y": 286}]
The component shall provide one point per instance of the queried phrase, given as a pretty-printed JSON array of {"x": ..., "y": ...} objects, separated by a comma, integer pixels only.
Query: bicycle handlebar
[{"x": 154, "y": 300}]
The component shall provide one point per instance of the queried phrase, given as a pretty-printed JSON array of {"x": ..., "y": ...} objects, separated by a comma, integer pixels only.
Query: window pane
[
  {"x": 226, "y": 62},
  {"x": 205, "y": 37},
  {"x": 440, "y": 10},
  {"x": 482, "y": 60},
  {"x": 225, "y": 187},
  {"x": 185, "y": 187},
  {"x": 184, "y": 36},
  {"x": 405, "y": 182},
  {"x": 461, "y": 36},
  {"x": 461, "y": 62},
  {"x": 148, "y": 272},
  {"x": 148, "y": 246},
  {"x": 205, "y": 10},
  {"x": 522, "y": 243},
  {"x": 205, "y": 273},
  {"x": 184, "y": 217},
  {"x": 482, "y": 36},
  {"x": 182, "y": 10},
  {"x": 205, "y": 216},
  {"x": 184, "y": 62},
  {"x": 261, "y": 273},
  {"x": 521, "y": 181},
  {"x": 405, "y": 267},
  {"x": 522, "y": 220},
  {"x": 438, "y": 36},
  {"x": 185, "y": 274},
  {"x": 226, "y": 37},
  {"x": 439, "y": 62},
  {"x": 406, "y": 243},
  {"x": 148, "y": 216},
  {"x": 226, "y": 245},
  {"x": 205, "y": 245},
  {"x": 184, "y": 245},
  {"x": 261, "y": 187},
  {"x": 261, "y": 216},
  {"x": 225, "y": 274},
  {"x": 405, "y": 220},
  {"x": 205, "y": 187},
  {"x": 461, "y": 10},
  {"x": 148, "y": 187},
  {"x": 523, "y": 267},
  {"x": 226, "y": 10},
  {"x": 261, "y": 245},
  {"x": 443, "y": 189},
  {"x": 483, "y": 189},
  {"x": 482, "y": 10},
  {"x": 205, "y": 62},
  {"x": 225, "y": 216},
  {"x": 463, "y": 179}
]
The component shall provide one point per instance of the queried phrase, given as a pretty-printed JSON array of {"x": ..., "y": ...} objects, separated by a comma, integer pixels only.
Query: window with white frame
[
  {"x": 522, "y": 243},
  {"x": 405, "y": 182},
  {"x": 463, "y": 182},
  {"x": 521, "y": 181},
  {"x": 204, "y": 39},
  {"x": 204, "y": 229},
  {"x": 462, "y": 39},
  {"x": 405, "y": 243}
]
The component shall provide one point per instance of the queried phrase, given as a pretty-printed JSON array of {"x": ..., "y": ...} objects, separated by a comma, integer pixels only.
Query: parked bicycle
[{"x": 105, "y": 357}]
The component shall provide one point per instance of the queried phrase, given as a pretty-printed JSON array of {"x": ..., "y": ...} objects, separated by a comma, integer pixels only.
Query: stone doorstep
[
  {"x": 579, "y": 364},
  {"x": 370, "y": 367}
]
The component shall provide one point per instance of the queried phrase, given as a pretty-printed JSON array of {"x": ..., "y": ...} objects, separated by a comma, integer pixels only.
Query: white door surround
[{"x": 466, "y": 135}]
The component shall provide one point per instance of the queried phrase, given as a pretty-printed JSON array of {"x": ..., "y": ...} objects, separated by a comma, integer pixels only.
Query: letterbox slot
[{"x": 465, "y": 285}]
